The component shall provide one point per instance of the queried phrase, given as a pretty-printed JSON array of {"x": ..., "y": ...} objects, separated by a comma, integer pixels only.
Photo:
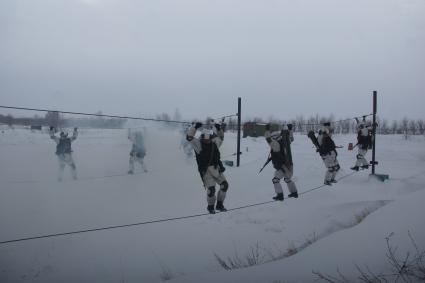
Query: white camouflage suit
[
  {"x": 212, "y": 175},
  {"x": 65, "y": 158},
  {"x": 286, "y": 172},
  {"x": 138, "y": 150},
  {"x": 363, "y": 132},
  {"x": 329, "y": 157}
]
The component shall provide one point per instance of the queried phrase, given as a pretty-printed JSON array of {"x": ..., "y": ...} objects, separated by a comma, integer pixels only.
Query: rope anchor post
[{"x": 381, "y": 177}]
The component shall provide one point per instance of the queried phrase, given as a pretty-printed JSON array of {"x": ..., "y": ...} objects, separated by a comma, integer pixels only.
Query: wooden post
[
  {"x": 374, "y": 131},
  {"x": 238, "y": 149}
]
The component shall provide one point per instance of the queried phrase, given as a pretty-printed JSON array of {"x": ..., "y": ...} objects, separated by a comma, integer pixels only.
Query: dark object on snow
[
  {"x": 293, "y": 195},
  {"x": 254, "y": 129},
  {"x": 220, "y": 207},
  {"x": 279, "y": 197},
  {"x": 211, "y": 209},
  {"x": 228, "y": 163}
]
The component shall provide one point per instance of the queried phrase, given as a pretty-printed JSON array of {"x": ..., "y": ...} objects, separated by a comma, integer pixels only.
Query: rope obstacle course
[{"x": 373, "y": 163}]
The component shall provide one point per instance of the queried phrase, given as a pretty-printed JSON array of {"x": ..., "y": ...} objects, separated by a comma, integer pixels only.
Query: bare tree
[
  {"x": 300, "y": 124},
  {"x": 421, "y": 126},
  {"x": 394, "y": 127},
  {"x": 412, "y": 127},
  {"x": 177, "y": 116},
  {"x": 9, "y": 120},
  {"x": 311, "y": 124},
  {"x": 232, "y": 124},
  {"x": 163, "y": 116},
  {"x": 384, "y": 127},
  {"x": 405, "y": 127},
  {"x": 345, "y": 127},
  {"x": 52, "y": 118}
]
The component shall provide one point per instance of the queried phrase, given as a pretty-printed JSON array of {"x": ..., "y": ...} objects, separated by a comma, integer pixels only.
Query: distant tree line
[
  {"x": 56, "y": 119},
  {"x": 404, "y": 126}
]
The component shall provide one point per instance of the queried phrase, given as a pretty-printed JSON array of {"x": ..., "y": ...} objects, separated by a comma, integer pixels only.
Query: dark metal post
[
  {"x": 238, "y": 149},
  {"x": 374, "y": 130}
]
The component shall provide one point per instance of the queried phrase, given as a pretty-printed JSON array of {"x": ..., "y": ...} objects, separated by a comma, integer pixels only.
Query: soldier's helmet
[{"x": 207, "y": 134}]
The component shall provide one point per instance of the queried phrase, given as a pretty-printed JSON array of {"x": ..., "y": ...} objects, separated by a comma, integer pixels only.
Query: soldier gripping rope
[
  {"x": 138, "y": 150},
  {"x": 327, "y": 150},
  {"x": 209, "y": 165},
  {"x": 64, "y": 151},
  {"x": 364, "y": 141},
  {"x": 281, "y": 157}
]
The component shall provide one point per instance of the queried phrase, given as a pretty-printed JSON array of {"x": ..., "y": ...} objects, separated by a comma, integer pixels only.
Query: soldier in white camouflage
[
  {"x": 209, "y": 165},
  {"x": 64, "y": 151},
  {"x": 328, "y": 153},
  {"x": 364, "y": 141},
  {"x": 138, "y": 150},
  {"x": 281, "y": 157}
]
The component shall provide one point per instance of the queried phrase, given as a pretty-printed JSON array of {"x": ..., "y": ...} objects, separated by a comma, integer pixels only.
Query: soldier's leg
[
  {"x": 211, "y": 198},
  {"x": 209, "y": 183},
  {"x": 278, "y": 175},
  {"x": 61, "y": 161},
  {"x": 335, "y": 167},
  {"x": 328, "y": 160},
  {"x": 221, "y": 195},
  {"x": 335, "y": 170},
  {"x": 71, "y": 163},
  {"x": 360, "y": 157},
  {"x": 142, "y": 163},
  {"x": 287, "y": 174},
  {"x": 365, "y": 164},
  {"x": 220, "y": 179},
  {"x": 131, "y": 164}
]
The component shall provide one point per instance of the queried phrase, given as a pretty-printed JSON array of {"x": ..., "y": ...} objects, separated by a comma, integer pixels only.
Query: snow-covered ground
[{"x": 322, "y": 228}]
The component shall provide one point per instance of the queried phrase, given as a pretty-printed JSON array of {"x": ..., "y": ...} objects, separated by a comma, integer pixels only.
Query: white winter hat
[{"x": 276, "y": 135}]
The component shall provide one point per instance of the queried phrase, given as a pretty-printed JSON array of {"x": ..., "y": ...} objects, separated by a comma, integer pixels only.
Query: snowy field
[{"x": 327, "y": 229}]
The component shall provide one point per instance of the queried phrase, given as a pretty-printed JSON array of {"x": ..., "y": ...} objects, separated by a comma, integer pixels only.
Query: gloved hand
[
  {"x": 217, "y": 126},
  {"x": 267, "y": 127},
  {"x": 198, "y": 125},
  {"x": 290, "y": 127}
]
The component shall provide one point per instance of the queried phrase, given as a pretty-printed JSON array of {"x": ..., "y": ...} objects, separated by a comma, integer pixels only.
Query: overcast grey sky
[{"x": 283, "y": 57}]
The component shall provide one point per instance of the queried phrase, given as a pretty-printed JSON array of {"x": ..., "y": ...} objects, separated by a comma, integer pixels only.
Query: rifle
[{"x": 265, "y": 164}]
